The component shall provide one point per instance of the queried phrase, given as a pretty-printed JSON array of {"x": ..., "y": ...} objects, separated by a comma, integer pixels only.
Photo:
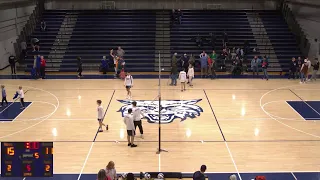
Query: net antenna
[{"x": 160, "y": 108}]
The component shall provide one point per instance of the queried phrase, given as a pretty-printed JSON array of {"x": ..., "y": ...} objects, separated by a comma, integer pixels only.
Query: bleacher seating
[
  {"x": 96, "y": 32},
  {"x": 283, "y": 41}
]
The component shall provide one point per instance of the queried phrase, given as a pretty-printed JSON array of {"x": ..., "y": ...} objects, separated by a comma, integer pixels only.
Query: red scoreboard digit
[{"x": 26, "y": 159}]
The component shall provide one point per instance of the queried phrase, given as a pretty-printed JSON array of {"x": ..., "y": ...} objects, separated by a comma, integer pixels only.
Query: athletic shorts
[
  {"x": 128, "y": 87},
  {"x": 131, "y": 132},
  {"x": 100, "y": 120}
]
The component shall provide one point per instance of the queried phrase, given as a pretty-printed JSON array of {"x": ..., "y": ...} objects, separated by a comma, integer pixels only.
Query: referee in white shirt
[
  {"x": 128, "y": 120},
  {"x": 137, "y": 114}
]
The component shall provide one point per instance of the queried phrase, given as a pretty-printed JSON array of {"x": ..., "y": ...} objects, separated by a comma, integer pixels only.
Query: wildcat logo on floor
[{"x": 171, "y": 109}]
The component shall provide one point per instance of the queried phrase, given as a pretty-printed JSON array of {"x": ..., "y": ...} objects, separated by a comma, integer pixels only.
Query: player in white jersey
[
  {"x": 128, "y": 83},
  {"x": 21, "y": 96},
  {"x": 137, "y": 114},
  {"x": 183, "y": 79},
  {"x": 128, "y": 121},
  {"x": 100, "y": 116}
]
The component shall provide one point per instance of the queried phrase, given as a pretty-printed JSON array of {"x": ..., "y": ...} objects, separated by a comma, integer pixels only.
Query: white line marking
[
  {"x": 261, "y": 106},
  {"x": 234, "y": 163},
  {"x": 294, "y": 176},
  {"x": 7, "y": 106},
  {"x": 58, "y": 104},
  {"x": 295, "y": 111},
  {"x": 85, "y": 161},
  {"x": 22, "y": 111}
]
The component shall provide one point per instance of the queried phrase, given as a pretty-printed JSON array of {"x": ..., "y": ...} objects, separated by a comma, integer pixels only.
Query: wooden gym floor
[{"x": 245, "y": 125}]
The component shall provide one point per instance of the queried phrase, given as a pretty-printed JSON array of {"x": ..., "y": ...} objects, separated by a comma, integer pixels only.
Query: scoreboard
[{"x": 26, "y": 159}]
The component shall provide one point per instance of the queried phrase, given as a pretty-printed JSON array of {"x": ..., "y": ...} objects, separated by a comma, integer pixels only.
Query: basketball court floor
[{"x": 234, "y": 126}]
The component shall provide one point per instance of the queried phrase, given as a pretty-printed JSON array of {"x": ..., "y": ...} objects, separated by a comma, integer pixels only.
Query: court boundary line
[
  {"x": 22, "y": 112},
  {"x": 295, "y": 110},
  {"x": 89, "y": 152},
  {"x": 12, "y": 102},
  {"x": 284, "y": 124},
  {"x": 30, "y": 87},
  {"x": 305, "y": 102},
  {"x": 294, "y": 176},
  {"x": 225, "y": 141},
  {"x": 148, "y": 89}
]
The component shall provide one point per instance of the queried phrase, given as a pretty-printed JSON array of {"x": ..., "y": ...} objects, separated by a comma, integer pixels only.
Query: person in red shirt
[{"x": 42, "y": 67}]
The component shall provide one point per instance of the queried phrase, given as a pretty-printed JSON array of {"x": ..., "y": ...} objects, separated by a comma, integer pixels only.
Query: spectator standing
[
  {"x": 255, "y": 65},
  {"x": 174, "y": 61},
  {"x": 111, "y": 171},
  {"x": 224, "y": 56},
  {"x": 212, "y": 63},
  {"x": 265, "y": 65},
  {"x": 43, "y": 67},
  {"x": 12, "y": 62},
  {"x": 204, "y": 64},
  {"x": 43, "y": 26},
  {"x": 35, "y": 43},
  {"x": 315, "y": 70},
  {"x": 304, "y": 71},
  {"x": 120, "y": 52},
  {"x": 299, "y": 65},
  {"x": 179, "y": 15},
  {"x": 104, "y": 65},
  {"x": 191, "y": 60},
  {"x": 199, "y": 175},
  {"x": 190, "y": 75},
  {"x": 4, "y": 96},
  {"x": 174, "y": 75},
  {"x": 293, "y": 68},
  {"x": 184, "y": 62},
  {"x": 79, "y": 63},
  {"x": 309, "y": 68}
]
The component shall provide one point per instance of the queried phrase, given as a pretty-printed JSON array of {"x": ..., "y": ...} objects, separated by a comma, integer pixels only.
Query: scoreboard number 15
[{"x": 10, "y": 151}]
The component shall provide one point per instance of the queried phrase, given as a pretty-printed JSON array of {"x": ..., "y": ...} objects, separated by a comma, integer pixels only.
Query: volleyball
[
  {"x": 160, "y": 176},
  {"x": 147, "y": 176}
]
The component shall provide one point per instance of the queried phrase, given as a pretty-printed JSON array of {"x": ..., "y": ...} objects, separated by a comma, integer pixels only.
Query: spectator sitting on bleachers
[
  {"x": 204, "y": 64},
  {"x": 111, "y": 171},
  {"x": 236, "y": 67},
  {"x": 199, "y": 175},
  {"x": 102, "y": 175},
  {"x": 35, "y": 43},
  {"x": 43, "y": 26}
]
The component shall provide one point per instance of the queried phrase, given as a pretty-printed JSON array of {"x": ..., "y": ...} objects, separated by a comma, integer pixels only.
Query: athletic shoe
[
  {"x": 100, "y": 130},
  {"x": 142, "y": 136},
  {"x": 133, "y": 145},
  {"x": 22, "y": 108},
  {"x": 129, "y": 144},
  {"x": 107, "y": 128},
  {"x": 0, "y": 106}
]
